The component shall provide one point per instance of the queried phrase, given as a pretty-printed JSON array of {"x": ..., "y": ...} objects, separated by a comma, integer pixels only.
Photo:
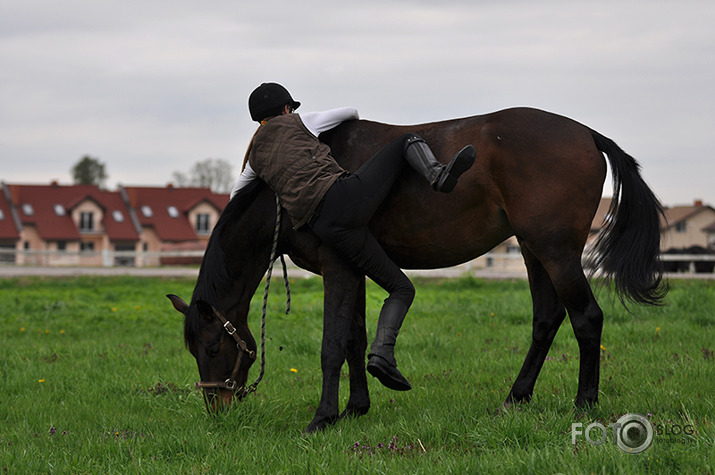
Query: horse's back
[{"x": 537, "y": 175}]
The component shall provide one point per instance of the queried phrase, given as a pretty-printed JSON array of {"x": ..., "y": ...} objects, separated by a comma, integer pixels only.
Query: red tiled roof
[
  {"x": 677, "y": 214},
  {"x": 117, "y": 221},
  {"x": 46, "y": 200},
  {"x": 8, "y": 230},
  {"x": 672, "y": 215},
  {"x": 159, "y": 200}
]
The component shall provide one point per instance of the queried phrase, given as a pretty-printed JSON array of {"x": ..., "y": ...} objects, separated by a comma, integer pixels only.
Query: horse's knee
[{"x": 588, "y": 326}]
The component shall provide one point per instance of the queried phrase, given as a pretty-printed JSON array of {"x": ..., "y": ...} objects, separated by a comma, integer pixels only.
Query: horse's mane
[{"x": 213, "y": 280}]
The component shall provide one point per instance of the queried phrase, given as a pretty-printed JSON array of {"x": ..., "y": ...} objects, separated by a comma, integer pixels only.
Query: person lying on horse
[{"x": 336, "y": 204}]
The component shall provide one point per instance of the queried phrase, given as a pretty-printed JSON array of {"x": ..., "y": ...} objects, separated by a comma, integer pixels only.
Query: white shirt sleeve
[
  {"x": 318, "y": 122},
  {"x": 247, "y": 176}
]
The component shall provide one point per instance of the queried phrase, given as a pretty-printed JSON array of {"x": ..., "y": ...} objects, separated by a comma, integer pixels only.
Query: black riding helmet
[{"x": 268, "y": 100}]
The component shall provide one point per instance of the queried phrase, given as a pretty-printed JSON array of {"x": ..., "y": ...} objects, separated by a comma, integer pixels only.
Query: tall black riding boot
[
  {"x": 381, "y": 360},
  {"x": 442, "y": 177}
]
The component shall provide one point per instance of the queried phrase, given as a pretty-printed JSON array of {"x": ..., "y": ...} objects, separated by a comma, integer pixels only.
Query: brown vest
[{"x": 295, "y": 164}]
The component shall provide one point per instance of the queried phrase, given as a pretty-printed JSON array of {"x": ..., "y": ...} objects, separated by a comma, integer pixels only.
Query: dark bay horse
[{"x": 538, "y": 176}]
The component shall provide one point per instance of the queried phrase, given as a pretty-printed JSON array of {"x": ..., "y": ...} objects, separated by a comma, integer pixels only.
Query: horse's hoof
[
  {"x": 585, "y": 403},
  {"x": 354, "y": 411},
  {"x": 318, "y": 424}
]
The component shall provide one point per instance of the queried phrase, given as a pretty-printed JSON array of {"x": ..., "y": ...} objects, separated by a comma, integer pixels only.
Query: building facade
[{"x": 84, "y": 225}]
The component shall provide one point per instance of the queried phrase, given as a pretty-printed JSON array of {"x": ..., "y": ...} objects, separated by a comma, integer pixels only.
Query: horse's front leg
[
  {"x": 359, "y": 402},
  {"x": 340, "y": 286}
]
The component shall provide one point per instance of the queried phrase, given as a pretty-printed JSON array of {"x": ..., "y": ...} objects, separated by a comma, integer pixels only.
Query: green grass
[{"x": 94, "y": 378}]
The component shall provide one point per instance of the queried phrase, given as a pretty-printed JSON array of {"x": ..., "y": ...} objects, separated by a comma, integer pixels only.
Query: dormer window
[
  {"x": 59, "y": 210},
  {"x": 173, "y": 212},
  {"x": 86, "y": 221},
  {"x": 147, "y": 212},
  {"x": 202, "y": 223},
  {"x": 27, "y": 209},
  {"x": 118, "y": 216}
]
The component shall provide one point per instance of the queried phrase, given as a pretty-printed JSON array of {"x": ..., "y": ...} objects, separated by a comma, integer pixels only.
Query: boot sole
[
  {"x": 386, "y": 379},
  {"x": 461, "y": 163}
]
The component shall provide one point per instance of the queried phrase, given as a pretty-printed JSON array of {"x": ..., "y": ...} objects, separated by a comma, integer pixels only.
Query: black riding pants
[{"x": 346, "y": 210}]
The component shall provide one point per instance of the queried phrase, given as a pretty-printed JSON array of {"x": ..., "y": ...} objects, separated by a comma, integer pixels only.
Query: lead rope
[{"x": 271, "y": 261}]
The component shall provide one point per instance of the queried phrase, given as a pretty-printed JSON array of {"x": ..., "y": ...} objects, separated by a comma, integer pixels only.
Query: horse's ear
[
  {"x": 179, "y": 304},
  {"x": 205, "y": 309}
]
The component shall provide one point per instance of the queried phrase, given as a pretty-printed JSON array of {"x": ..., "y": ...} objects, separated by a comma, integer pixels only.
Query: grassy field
[{"x": 94, "y": 378}]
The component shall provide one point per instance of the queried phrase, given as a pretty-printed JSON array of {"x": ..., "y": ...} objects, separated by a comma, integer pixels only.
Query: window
[
  {"x": 27, "y": 209},
  {"x": 202, "y": 223},
  {"x": 7, "y": 254},
  {"x": 61, "y": 246},
  {"x": 126, "y": 259},
  {"x": 59, "y": 210},
  {"x": 86, "y": 246},
  {"x": 86, "y": 221},
  {"x": 2, "y": 215},
  {"x": 681, "y": 227},
  {"x": 118, "y": 216},
  {"x": 173, "y": 212},
  {"x": 147, "y": 212}
]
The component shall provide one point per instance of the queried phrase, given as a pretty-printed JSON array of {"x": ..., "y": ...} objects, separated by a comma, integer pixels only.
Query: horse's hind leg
[
  {"x": 359, "y": 401},
  {"x": 587, "y": 322},
  {"x": 549, "y": 313}
]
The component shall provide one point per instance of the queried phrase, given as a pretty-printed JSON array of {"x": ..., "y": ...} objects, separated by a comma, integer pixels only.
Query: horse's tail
[{"x": 628, "y": 247}]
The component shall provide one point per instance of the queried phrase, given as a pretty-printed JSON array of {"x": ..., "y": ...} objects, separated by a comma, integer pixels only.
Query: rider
[{"x": 337, "y": 205}]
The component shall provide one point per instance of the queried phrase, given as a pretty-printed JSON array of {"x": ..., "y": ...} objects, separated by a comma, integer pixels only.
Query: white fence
[{"x": 109, "y": 258}]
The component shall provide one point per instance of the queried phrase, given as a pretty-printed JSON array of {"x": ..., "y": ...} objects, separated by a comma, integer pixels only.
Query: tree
[
  {"x": 214, "y": 173},
  {"x": 89, "y": 171}
]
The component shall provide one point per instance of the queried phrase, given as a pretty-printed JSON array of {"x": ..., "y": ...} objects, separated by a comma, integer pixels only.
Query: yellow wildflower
[
  {"x": 293, "y": 370},
  {"x": 40, "y": 380}
]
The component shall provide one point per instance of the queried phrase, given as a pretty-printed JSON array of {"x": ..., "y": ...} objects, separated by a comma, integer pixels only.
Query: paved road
[
  {"x": 459, "y": 271},
  {"x": 22, "y": 271}
]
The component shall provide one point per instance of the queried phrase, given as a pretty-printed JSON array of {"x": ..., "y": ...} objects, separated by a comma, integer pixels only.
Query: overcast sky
[{"x": 151, "y": 87}]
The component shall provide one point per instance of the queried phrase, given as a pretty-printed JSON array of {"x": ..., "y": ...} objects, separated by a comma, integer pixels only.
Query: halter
[{"x": 231, "y": 384}]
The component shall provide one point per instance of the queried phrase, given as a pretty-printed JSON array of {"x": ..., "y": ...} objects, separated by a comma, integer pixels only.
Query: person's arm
[
  {"x": 247, "y": 176},
  {"x": 318, "y": 122}
]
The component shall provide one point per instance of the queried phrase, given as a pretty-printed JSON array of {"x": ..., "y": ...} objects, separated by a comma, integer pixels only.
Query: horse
[{"x": 538, "y": 176}]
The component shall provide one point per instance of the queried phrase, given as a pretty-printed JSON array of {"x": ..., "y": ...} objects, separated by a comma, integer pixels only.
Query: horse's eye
[{"x": 212, "y": 351}]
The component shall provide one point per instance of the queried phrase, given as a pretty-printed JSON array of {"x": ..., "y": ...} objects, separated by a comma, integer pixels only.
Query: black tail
[{"x": 628, "y": 247}]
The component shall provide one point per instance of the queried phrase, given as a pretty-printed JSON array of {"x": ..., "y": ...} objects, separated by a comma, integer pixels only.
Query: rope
[{"x": 271, "y": 261}]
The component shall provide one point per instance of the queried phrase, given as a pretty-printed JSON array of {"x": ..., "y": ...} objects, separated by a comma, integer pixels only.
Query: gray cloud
[{"x": 152, "y": 87}]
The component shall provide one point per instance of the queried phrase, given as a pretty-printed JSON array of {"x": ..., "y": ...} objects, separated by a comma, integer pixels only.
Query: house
[
  {"x": 687, "y": 226},
  {"x": 68, "y": 225},
  {"x": 682, "y": 227},
  {"x": 9, "y": 228},
  {"x": 686, "y": 229},
  {"x": 710, "y": 232},
  {"x": 174, "y": 218},
  {"x": 84, "y": 225}
]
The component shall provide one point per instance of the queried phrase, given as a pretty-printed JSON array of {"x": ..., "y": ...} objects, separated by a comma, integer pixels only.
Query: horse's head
[{"x": 224, "y": 352}]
